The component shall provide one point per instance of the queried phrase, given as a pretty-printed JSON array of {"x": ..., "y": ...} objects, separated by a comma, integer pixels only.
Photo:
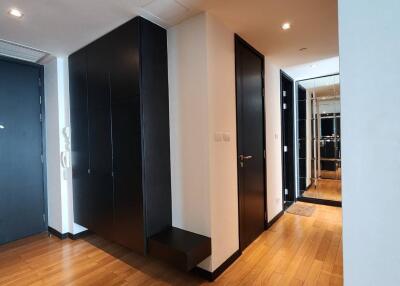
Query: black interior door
[
  {"x": 250, "y": 136},
  {"x": 288, "y": 170},
  {"x": 21, "y": 171}
]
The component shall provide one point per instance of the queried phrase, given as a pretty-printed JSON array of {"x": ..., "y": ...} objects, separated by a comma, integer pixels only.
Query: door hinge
[
  {"x": 41, "y": 158},
  {"x": 40, "y": 82},
  {"x": 286, "y": 191},
  {"x": 284, "y": 106},
  {"x": 284, "y": 93},
  {"x": 44, "y": 218},
  {"x": 285, "y": 149},
  {"x": 40, "y": 100},
  {"x": 40, "y": 117}
]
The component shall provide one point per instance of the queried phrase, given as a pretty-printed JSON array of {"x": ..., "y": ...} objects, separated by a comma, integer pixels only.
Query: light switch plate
[
  {"x": 226, "y": 136},
  {"x": 218, "y": 136}
]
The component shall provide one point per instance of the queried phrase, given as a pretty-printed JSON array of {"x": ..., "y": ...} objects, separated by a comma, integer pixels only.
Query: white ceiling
[
  {"x": 60, "y": 27},
  {"x": 314, "y": 69},
  {"x": 321, "y": 82},
  {"x": 63, "y": 26},
  {"x": 314, "y": 26}
]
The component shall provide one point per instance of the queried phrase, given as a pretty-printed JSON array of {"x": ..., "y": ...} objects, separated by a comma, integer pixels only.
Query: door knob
[{"x": 242, "y": 157}]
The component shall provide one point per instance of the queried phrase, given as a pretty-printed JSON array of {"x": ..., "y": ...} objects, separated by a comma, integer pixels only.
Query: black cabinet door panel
[
  {"x": 155, "y": 127},
  {"x": 100, "y": 145},
  {"x": 126, "y": 137},
  {"x": 83, "y": 204}
]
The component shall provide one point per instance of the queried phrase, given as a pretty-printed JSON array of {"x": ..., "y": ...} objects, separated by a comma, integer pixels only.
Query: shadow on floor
[{"x": 148, "y": 269}]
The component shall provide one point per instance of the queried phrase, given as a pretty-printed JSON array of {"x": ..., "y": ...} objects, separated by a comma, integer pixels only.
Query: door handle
[{"x": 242, "y": 157}]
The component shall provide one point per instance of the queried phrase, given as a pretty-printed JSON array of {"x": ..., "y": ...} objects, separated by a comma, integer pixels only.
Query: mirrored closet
[{"x": 319, "y": 140}]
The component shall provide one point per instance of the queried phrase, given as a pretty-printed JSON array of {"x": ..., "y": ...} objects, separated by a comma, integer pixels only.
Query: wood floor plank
[{"x": 296, "y": 250}]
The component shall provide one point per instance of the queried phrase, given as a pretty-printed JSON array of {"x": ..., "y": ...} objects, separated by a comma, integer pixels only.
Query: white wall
[
  {"x": 201, "y": 60},
  {"x": 187, "y": 65},
  {"x": 273, "y": 139},
  {"x": 54, "y": 199},
  {"x": 202, "y": 104},
  {"x": 59, "y": 180},
  {"x": 222, "y": 121},
  {"x": 370, "y": 75}
]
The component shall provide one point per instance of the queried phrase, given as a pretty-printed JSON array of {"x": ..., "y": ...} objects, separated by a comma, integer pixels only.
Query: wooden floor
[
  {"x": 295, "y": 251},
  {"x": 326, "y": 190}
]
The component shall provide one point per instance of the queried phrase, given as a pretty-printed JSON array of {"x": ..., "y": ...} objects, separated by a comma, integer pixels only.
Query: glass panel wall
[{"x": 319, "y": 141}]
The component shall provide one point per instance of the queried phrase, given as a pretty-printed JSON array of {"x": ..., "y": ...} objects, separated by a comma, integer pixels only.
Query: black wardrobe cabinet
[
  {"x": 120, "y": 134},
  {"x": 120, "y": 144}
]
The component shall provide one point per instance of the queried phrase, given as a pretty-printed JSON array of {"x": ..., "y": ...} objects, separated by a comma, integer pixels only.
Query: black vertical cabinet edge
[
  {"x": 156, "y": 180},
  {"x": 140, "y": 23}
]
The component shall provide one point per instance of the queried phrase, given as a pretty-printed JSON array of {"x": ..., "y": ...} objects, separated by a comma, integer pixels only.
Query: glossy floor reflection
[{"x": 326, "y": 189}]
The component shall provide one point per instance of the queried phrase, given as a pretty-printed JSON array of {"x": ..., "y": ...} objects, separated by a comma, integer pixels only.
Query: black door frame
[
  {"x": 297, "y": 125},
  {"x": 293, "y": 195},
  {"x": 43, "y": 129},
  {"x": 239, "y": 40}
]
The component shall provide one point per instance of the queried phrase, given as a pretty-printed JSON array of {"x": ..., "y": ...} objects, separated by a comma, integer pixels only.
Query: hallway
[{"x": 296, "y": 250}]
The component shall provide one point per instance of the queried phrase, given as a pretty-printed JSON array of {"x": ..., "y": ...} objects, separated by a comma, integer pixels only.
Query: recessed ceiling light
[
  {"x": 15, "y": 13},
  {"x": 2, "y": 126},
  {"x": 286, "y": 26}
]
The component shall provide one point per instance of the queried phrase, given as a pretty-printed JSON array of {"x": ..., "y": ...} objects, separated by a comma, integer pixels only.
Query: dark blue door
[{"x": 21, "y": 169}]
